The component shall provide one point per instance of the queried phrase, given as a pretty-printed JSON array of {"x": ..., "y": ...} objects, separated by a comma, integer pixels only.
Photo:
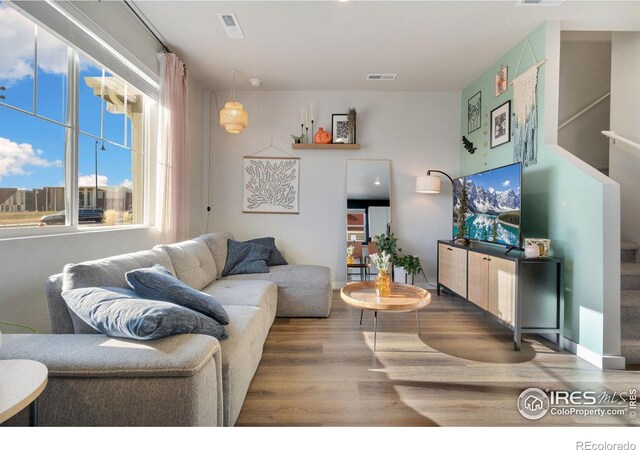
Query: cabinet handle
[
  {"x": 488, "y": 259},
  {"x": 450, "y": 249},
  {"x": 484, "y": 259}
]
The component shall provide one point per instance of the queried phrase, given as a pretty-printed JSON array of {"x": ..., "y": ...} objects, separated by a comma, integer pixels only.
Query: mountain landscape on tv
[{"x": 492, "y": 205}]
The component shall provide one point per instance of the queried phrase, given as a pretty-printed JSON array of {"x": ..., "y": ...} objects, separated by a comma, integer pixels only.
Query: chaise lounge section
[{"x": 211, "y": 376}]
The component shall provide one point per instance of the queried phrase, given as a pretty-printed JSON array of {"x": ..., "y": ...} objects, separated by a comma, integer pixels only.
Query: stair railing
[
  {"x": 633, "y": 147},
  {"x": 583, "y": 111}
]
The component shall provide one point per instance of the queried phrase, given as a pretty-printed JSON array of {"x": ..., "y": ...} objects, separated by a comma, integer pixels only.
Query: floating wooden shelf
[{"x": 325, "y": 146}]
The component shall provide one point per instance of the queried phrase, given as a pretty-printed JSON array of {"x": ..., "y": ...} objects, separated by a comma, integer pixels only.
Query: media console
[{"x": 525, "y": 294}]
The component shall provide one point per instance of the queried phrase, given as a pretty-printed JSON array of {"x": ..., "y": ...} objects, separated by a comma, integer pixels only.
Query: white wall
[
  {"x": 585, "y": 76},
  {"x": 417, "y": 131},
  {"x": 625, "y": 117}
]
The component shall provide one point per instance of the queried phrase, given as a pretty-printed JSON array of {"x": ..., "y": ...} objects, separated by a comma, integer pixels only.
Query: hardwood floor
[{"x": 462, "y": 371}]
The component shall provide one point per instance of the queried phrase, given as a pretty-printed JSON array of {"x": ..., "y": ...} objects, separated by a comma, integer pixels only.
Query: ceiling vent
[
  {"x": 382, "y": 76},
  {"x": 539, "y": 2},
  {"x": 231, "y": 25}
]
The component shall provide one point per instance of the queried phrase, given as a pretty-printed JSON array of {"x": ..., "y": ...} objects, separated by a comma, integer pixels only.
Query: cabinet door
[
  {"x": 444, "y": 265},
  {"x": 478, "y": 288},
  {"x": 502, "y": 288},
  {"x": 459, "y": 271}
]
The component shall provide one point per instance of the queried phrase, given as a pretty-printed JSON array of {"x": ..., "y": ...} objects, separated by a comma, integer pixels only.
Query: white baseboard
[{"x": 613, "y": 362}]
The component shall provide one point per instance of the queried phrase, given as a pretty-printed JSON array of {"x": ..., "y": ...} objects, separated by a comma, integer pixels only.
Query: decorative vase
[
  {"x": 350, "y": 260},
  {"x": 322, "y": 137},
  {"x": 532, "y": 251},
  {"x": 383, "y": 284}
]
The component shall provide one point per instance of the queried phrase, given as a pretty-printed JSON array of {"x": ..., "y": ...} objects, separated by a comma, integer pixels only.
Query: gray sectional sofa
[{"x": 186, "y": 380}]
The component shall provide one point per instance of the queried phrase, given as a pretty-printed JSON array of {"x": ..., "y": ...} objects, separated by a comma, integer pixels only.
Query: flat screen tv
[{"x": 491, "y": 204}]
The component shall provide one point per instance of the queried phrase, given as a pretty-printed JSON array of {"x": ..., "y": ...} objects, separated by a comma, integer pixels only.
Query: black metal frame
[{"x": 491, "y": 125}]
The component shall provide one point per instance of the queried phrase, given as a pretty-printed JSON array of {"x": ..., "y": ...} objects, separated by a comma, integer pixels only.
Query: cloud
[
  {"x": 15, "y": 157},
  {"x": 506, "y": 183},
  {"x": 90, "y": 180},
  {"x": 17, "y": 41},
  {"x": 127, "y": 183}
]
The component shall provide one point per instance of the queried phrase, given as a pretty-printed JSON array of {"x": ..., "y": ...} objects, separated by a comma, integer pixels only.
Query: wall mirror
[{"x": 368, "y": 213}]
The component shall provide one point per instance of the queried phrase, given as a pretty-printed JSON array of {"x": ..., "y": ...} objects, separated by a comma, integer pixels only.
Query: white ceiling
[{"x": 330, "y": 45}]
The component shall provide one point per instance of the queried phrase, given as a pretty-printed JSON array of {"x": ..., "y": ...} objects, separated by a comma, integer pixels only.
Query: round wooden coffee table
[
  {"x": 21, "y": 382},
  {"x": 404, "y": 297}
]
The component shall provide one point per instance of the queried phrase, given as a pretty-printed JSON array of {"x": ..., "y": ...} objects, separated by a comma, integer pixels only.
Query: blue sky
[
  {"x": 32, "y": 149},
  {"x": 500, "y": 179}
]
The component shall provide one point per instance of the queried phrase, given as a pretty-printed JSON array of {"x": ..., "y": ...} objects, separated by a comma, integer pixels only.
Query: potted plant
[
  {"x": 298, "y": 139},
  {"x": 411, "y": 265},
  {"x": 388, "y": 243}
]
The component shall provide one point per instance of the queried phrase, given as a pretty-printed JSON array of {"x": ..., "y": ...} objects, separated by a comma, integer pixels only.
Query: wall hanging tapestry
[
  {"x": 525, "y": 123},
  {"x": 271, "y": 185}
]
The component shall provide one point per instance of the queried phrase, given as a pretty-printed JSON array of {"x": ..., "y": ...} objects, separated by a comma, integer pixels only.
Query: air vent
[
  {"x": 231, "y": 25},
  {"x": 382, "y": 76},
  {"x": 539, "y": 2}
]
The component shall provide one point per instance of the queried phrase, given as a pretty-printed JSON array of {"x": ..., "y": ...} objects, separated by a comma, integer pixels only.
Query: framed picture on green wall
[
  {"x": 501, "y": 124},
  {"x": 474, "y": 112}
]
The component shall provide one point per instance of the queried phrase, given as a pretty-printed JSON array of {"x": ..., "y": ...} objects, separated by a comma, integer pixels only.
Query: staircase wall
[
  {"x": 624, "y": 162},
  {"x": 585, "y": 76}
]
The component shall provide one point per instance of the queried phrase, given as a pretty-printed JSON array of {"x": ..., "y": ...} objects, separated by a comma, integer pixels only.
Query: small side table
[{"x": 21, "y": 382}]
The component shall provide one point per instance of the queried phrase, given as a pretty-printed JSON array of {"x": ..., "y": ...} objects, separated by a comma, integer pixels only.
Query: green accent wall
[{"x": 560, "y": 201}]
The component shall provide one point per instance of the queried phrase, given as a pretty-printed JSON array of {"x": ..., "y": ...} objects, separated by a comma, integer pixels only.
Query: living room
[{"x": 82, "y": 133}]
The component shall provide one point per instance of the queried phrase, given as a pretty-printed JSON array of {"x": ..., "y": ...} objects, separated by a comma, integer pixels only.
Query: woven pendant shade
[{"x": 233, "y": 117}]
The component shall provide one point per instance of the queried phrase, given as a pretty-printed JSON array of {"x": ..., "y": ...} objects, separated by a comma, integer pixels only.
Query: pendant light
[{"x": 233, "y": 117}]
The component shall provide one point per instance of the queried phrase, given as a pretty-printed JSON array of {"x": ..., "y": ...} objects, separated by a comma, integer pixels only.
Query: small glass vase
[
  {"x": 383, "y": 284},
  {"x": 350, "y": 260}
]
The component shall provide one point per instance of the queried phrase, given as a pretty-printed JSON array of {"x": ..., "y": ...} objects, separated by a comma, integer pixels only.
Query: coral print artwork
[{"x": 271, "y": 185}]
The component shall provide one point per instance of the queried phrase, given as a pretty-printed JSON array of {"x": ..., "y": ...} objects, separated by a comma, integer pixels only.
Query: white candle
[
  {"x": 302, "y": 116},
  {"x": 306, "y": 118},
  {"x": 312, "y": 112}
]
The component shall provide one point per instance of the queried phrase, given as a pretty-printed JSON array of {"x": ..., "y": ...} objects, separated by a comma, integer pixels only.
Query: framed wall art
[
  {"x": 271, "y": 185},
  {"x": 502, "y": 79},
  {"x": 341, "y": 132},
  {"x": 501, "y": 124},
  {"x": 474, "y": 112}
]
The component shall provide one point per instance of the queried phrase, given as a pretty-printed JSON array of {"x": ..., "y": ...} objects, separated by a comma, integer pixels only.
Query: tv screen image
[{"x": 491, "y": 202}]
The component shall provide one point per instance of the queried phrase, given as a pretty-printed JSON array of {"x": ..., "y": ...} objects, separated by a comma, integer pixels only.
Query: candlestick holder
[
  {"x": 301, "y": 133},
  {"x": 312, "y": 131},
  {"x": 307, "y": 136}
]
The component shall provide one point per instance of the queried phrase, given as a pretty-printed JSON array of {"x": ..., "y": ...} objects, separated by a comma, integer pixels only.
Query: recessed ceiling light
[
  {"x": 377, "y": 182},
  {"x": 539, "y": 2},
  {"x": 231, "y": 25}
]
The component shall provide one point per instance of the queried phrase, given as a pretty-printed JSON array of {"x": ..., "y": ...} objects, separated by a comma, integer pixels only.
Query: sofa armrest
[{"x": 96, "y": 380}]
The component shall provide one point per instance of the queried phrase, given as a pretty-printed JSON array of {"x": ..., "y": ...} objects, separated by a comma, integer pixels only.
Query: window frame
[{"x": 72, "y": 130}]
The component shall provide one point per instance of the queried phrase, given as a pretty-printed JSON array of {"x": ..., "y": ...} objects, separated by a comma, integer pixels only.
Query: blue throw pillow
[
  {"x": 118, "y": 312},
  {"x": 275, "y": 257},
  {"x": 157, "y": 283},
  {"x": 245, "y": 257}
]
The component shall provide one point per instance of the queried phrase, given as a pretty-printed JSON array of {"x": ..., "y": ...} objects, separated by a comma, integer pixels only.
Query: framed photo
[
  {"x": 340, "y": 132},
  {"x": 474, "y": 112},
  {"x": 502, "y": 81},
  {"x": 501, "y": 124},
  {"x": 271, "y": 185},
  {"x": 543, "y": 244}
]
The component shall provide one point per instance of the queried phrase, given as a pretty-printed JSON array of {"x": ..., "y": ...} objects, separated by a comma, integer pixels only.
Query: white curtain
[{"x": 172, "y": 182}]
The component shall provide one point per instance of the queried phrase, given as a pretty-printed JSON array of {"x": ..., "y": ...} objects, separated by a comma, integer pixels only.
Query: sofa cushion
[
  {"x": 245, "y": 257},
  {"x": 111, "y": 271},
  {"x": 192, "y": 261},
  {"x": 217, "y": 243},
  {"x": 157, "y": 283},
  {"x": 275, "y": 257},
  {"x": 303, "y": 291},
  {"x": 118, "y": 312},
  {"x": 258, "y": 293},
  {"x": 241, "y": 354}
]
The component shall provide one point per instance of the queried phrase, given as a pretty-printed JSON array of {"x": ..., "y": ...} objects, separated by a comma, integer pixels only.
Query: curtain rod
[{"x": 164, "y": 47}]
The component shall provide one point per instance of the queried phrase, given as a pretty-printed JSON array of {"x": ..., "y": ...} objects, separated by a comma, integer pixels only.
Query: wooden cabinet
[
  {"x": 478, "y": 291},
  {"x": 525, "y": 294},
  {"x": 452, "y": 268},
  {"x": 502, "y": 288}
]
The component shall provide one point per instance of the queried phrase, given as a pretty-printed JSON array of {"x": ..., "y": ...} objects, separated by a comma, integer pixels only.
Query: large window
[{"x": 44, "y": 137}]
